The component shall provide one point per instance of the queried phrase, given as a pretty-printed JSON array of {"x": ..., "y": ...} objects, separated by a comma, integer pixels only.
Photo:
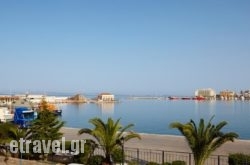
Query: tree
[
  {"x": 109, "y": 135},
  {"x": 205, "y": 138},
  {"x": 44, "y": 105},
  {"x": 8, "y": 132},
  {"x": 5, "y": 131},
  {"x": 5, "y": 138},
  {"x": 16, "y": 133},
  {"x": 46, "y": 127}
]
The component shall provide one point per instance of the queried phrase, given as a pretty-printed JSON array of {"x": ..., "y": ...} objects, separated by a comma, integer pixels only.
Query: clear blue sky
[{"x": 124, "y": 47}]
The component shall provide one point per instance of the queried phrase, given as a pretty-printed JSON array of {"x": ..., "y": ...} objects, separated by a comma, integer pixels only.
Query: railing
[{"x": 143, "y": 156}]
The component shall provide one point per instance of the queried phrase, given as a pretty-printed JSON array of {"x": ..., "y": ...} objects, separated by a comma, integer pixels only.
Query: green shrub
[
  {"x": 152, "y": 163},
  {"x": 67, "y": 145},
  {"x": 88, "y": 152},
  {"x": 178, "y": 162},
  {"x": 117, "y": 155},
  {"x": 167, "y": 163},
  {"x": 96, "y": 160},
  {"x": 133, "y": 162},
  {"x": 238, "y": 159}
]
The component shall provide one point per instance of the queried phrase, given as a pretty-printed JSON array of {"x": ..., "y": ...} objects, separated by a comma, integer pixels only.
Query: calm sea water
[{"x": 154, "y": 116}]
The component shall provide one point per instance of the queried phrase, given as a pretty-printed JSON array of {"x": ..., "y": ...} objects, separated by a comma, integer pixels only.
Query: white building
[
  {"x": 207, "y": 93},
  {"x": 35, "y": 98},
  {"x": 106, "y": 97}
]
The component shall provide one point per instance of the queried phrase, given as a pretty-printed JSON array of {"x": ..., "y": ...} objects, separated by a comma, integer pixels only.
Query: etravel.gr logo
[{"x": 46, "y": 146}]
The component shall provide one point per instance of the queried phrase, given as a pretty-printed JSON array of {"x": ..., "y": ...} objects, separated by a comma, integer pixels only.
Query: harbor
[
  {"x": 171, "y": 72},
  {"x": 150, "y": 114},
  {"x": 23, "y": 108},
  {"x": 154, "y": 116}
]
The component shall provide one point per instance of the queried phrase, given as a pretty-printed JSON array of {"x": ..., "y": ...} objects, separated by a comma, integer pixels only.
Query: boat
[
  {"x": 58, "y": 112},
  {"x": 5, "y": 114},
  {"x": 186, "y": 98},
  {"x": 23, "y": 117},
  {"x": 199, "y": 98},
  {"x": 173, "y": 98}
]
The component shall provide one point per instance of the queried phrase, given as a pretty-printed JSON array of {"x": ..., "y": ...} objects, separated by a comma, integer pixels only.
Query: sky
[{"x": 156, "y": 47}]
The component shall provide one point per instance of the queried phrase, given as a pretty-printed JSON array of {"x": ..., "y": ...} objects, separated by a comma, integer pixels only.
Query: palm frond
[
  {"x": 205, "y": 138},
  {"x": 84, "y": 130},
  {"x": 131, "y": 135},
  {"x": 109, "y": 134}
]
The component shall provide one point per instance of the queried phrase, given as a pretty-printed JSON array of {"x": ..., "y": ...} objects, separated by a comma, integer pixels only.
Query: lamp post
[
  {"x": 123, "y": 156},
  {"x": 21, "y": 157}
]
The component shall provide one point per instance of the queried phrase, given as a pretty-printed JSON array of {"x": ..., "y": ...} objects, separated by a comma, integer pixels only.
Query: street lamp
[{"x": 123, "y": 156}]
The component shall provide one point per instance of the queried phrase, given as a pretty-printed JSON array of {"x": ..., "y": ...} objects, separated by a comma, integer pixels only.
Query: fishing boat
[
  {"x": 23, "y": 117},
  {"x": 5, "y": 114},
  {"x": 173, "y": 98},
  {"x": 186, "y": 98},
  {"x": 199, "y": 98}
]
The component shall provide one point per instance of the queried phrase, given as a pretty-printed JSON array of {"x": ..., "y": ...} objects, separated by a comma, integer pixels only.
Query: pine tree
[{"x": 46, "y": 127}]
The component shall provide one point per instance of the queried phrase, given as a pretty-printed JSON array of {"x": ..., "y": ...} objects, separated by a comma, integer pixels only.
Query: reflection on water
[
  {"x": 107, "y": 108},
  {"x": 210, "y": 105}
]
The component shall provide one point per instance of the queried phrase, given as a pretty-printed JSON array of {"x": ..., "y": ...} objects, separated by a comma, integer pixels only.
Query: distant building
[
  {"x": 7, "y": 99},
  {"x": 35, "y": 98},
  {"x": 207, "y": 93},
  {"x": 227, "y": 95},
  {"x": 245, "y": 94},
  {"x": 22, "y": 103},
  {"x": 106, "y": 97}
]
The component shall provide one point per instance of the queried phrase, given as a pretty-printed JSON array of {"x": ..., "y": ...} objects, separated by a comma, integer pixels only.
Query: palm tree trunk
[
  {"x": 107, "y": 160},
  {"x": 199, "y": 160}
]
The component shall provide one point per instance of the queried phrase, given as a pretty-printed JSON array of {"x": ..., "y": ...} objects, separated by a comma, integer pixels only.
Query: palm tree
[
  {"x": 89, "y": 148},
  {"x": 204, "y": 139},
  {"x": 5, "y": 130},
  {"x": 4, "y": 138},
  {"x": 8, "y": 132},
  {"x": 16, "y": 133},
  {"x": 109, "y": 135}
]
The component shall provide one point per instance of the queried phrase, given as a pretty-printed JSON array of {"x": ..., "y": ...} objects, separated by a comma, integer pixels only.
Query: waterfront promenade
[
  {"x": 167, "y": 143},
  {"x": 176, "y": 145}
]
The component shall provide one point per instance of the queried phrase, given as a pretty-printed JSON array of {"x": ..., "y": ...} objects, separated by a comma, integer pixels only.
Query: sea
[{"x": 154, "y": 116}]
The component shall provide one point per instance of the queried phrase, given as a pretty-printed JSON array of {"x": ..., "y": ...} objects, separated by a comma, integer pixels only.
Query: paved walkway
[
  {"x": 167, "y": 143},
  {"x": 16, "y": 161}
]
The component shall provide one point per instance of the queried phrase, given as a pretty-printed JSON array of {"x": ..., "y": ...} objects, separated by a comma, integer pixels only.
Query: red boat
[{"x": 198, "y": 98}]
